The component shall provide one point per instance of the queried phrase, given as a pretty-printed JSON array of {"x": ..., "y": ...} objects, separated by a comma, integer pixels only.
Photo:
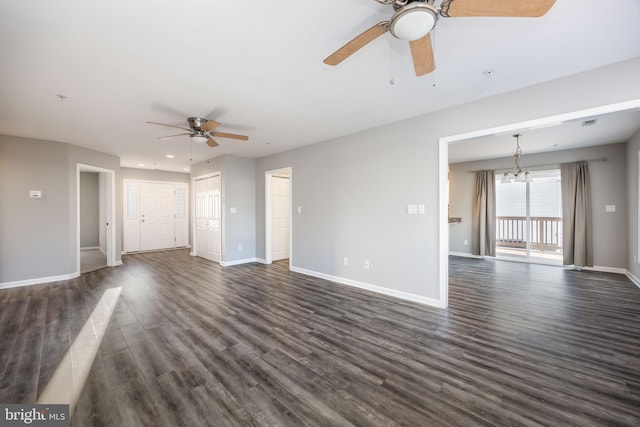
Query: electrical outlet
[
  {"x": 466, "y": 242},
  {"x": 346, "y": 260},
  {"x": 366, "y": 264},
  {"x": 240, "y": 247}
]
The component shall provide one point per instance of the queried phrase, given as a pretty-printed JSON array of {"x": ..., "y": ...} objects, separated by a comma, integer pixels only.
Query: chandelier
[{"x": 516, "y": 174}]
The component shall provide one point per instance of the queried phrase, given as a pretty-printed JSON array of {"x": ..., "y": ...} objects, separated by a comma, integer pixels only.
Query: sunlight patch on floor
[{"x": 69, "y": 378}]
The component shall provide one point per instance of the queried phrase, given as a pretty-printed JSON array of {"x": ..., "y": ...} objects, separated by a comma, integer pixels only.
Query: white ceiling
[
  {"x": 256, "y": 67},
  {"x": 608, "y": 129}
]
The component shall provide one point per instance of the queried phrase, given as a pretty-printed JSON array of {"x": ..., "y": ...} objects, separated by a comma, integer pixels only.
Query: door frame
[
  {"x": 110, "y": 199},
  {"x": 267, "y": 213},
  {"x": 193, "y": 213},
  {"x": 518, "y": 127}
]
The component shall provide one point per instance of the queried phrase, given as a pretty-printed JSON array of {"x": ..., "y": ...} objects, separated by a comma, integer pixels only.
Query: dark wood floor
[{"x": 191, "y": 343}]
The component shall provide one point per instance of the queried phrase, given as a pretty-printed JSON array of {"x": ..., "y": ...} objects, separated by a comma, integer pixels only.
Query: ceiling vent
[{"x": 590, "y": 122}]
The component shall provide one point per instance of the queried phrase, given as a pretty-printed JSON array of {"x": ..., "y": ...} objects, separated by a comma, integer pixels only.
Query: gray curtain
[
  {"x": 484, "y": 214},
  {"x": 577, "y": 233}
]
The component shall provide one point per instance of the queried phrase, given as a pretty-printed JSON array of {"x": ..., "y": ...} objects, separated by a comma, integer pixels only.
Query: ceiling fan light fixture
[
  {"x": 413, "y": 21},
  {"x": 199, "y": 139}
]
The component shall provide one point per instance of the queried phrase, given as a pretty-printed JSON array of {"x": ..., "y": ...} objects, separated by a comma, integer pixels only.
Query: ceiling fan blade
[
  {"x": 513, "y": 8},
  {"x": 357, "y": 43},
  {"x": 211, "y": 142},
  {"x": 210, "y": 125},
  {"x": 231, "y": 135},
  {"x": 173, "y": 136},
  {"x": 422, "y": 54},
  {"x": 171, "y": 126}
]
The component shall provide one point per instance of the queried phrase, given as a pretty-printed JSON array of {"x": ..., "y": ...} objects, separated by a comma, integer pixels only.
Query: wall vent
[{"x": 590, "y": 122}]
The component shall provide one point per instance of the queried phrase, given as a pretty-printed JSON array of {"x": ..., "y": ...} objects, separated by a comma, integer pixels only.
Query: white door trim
[
  {"x": 267, "y": 214},
  {"x": 193, "y": 213},
  {"x": 443, "y": 169},
  {"x": 110, "y": 196}
]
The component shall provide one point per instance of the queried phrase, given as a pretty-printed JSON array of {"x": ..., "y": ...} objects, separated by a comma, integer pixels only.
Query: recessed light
[
  {"x": 170, "y": 156},
  {"x": 186, "y": 169},
  {"x": 141, "y": 164}
]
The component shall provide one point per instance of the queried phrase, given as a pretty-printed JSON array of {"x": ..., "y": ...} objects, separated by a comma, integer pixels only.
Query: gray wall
[
  {"x": 89, "y": 209},
  {"x": 354, "y": 190},
  {"x": 34, "y": 233},
  {"x": 608, "y": 187},
  {"x": 633, "y": 147},
  {"x": 238, "y": 191},
  {"x": 38, "y": 238}
]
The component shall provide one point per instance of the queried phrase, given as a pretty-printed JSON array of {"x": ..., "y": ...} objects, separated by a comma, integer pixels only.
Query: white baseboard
[
  {"x": 633, "y": 278},
  {"x": 90, "y": 248},
  {"x": 261, "y": 260},
  {"x": 466, "y": 255},
  {"x": 606, "y": 269},
  {"x": 38, "y": 281},
  {"x": 373, "y": 288},
  {"x": 117, "y": 263},
  {"x": 237, "y": 262}
]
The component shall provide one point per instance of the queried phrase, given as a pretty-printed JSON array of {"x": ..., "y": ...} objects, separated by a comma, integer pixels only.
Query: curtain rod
[{"x": 601, "y": 159}]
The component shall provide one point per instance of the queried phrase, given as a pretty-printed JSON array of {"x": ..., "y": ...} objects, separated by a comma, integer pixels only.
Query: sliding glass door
[{"x": 529, "y": 218}]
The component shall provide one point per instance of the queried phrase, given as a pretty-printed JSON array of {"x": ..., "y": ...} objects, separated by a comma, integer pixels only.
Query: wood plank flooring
[{"x": 191, "y": 343}]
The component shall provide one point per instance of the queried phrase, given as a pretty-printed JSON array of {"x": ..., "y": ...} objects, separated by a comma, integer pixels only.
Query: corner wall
[
  {"x": 39, "y": 236},
  {"x": 238, "y": 203},
  {"x": 354, "y": 190}
]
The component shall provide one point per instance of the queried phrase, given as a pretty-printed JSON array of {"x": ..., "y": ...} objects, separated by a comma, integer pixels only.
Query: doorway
[
  {"x": 93, "y": 250},
  {"x": 208, "y": 217},
  {"x": 278, "y": 222},
  {"x": 529, "y": 218},
  {"x": 95, "y": 218},
  {"x": 443, "y": 163},
  {"x": 155, "y": 215}
]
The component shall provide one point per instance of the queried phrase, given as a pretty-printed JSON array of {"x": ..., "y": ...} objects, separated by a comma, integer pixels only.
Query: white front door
[
  {"x": 280, "y": 217},
  {"x": 157, "y": 228},
  {"x": 208, "y": 218}
]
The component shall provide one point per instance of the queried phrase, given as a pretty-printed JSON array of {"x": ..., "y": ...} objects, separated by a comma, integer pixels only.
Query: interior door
[
  {"x": 280, "y": 217},
  {"x": 208, "y": 218},
  {"x": 157, "y": 227}
]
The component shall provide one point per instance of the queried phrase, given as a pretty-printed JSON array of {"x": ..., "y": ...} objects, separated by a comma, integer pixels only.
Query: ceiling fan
[
  {"x": 201, "y": 130},
  {"x": 413, "y": 21}
]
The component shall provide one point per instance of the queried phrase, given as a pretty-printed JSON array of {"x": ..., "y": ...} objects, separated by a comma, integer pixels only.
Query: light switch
[
  {"x": 412, "y": 209},
  {"x": 232, "y": 210},
  {"x": 421, "y": 209},
  {"x": 299, "y": 209},
  {"x": 610, "y": 208}
]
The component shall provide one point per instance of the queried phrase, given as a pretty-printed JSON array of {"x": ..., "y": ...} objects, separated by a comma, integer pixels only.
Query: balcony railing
[{"x": 545, "y": 232}]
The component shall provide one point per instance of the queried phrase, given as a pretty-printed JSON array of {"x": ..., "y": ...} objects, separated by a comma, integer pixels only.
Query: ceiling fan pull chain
[
  {"x": 391, "y": 70},
  {"x": 433, "y": 48}
]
